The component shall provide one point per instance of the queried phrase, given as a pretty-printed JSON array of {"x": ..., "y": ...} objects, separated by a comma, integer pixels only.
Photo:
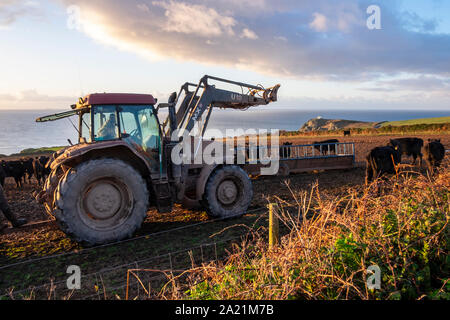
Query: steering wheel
[{"x": 135, "y": 134}]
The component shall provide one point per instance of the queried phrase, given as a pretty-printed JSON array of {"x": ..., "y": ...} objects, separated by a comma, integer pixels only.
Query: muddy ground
[
  {"x": 191, "y": 228},
  {"x": 24, "y": 205}
]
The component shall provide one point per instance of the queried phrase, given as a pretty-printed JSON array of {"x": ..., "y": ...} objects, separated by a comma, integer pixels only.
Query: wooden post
[
  {"x": 128, "y": 283},
  {"x": 273, "y": 228}
]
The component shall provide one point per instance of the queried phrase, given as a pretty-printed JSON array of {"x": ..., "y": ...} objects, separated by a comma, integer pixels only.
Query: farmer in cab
[{"x": 108, "y": 130}]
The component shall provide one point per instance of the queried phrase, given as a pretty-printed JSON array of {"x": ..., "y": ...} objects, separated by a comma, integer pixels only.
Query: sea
[{"x": 19, "y": 130}]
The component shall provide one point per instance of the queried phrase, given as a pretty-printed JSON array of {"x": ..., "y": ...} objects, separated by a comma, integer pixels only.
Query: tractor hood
[{"x": 78, "y": 150}]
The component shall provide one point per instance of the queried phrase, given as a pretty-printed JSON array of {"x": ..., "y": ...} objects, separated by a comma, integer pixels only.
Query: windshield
[{"x": 136, "y": 123}]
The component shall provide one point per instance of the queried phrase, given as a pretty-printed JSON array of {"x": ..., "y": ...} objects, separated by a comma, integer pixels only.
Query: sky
[{"x": 322, "y": 52}]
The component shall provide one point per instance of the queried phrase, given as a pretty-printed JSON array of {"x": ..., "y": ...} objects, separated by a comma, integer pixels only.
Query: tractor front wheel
[{"x": 228, "y": 193}]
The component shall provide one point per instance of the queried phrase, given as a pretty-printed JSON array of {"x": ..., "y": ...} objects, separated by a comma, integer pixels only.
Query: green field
[
  {"x": 417, "y": 121},
  {"x": 33, "y": 151},
  {"x": 40, "y": 150}
]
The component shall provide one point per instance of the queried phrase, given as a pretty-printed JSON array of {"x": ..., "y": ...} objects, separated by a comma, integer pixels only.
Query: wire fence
[
  {"x": 110, "y": 282},
  {"x": 104, "y": 267},
  {"x": 146, "y": 236}
]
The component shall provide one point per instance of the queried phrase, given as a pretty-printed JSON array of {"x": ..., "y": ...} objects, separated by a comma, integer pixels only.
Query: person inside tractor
[{"x": 108, "y": 130}]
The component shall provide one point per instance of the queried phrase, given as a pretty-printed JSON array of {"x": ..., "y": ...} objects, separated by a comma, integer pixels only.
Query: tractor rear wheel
[
  {"x": 228, "y": 193},
  {"x": 50, "y": 186},
  {"x": 101, "y": 201}
]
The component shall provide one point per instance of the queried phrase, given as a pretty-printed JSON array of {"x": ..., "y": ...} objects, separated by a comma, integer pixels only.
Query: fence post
[
  {"x": 128, "y": 283},
  {"x": 273, "y": 227}
]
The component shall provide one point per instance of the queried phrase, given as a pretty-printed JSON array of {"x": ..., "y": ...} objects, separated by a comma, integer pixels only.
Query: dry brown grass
[{"x": 402, "y": 227}]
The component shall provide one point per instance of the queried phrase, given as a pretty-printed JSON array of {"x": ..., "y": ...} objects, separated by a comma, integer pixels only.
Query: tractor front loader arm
[{"x": 205, "y": 97}]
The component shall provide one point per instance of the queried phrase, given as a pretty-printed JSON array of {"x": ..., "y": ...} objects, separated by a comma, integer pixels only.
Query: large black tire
[
  {"x": 189, "y": 200},
  {"x": 228, "y": 193},
  {"x": 101, "y": 201},
  {"x": 50, "y": 187}
]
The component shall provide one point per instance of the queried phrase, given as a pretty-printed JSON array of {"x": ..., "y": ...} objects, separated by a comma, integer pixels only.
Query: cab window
[
  {"x": 150, "y": 131},
  {"x": 86, "y": 127},
  {"x": 139, "y": 124},
  {"x": 105, "y": 123},
  {"x": 129, "y": 124}
]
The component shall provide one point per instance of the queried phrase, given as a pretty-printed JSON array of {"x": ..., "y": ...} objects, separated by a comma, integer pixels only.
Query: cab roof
[
  {"x": 115, "y": 98},
  {"x": 84, "y": 104}
]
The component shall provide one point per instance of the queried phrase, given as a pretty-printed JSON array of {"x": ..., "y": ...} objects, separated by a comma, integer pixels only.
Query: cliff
[{"x": 319, "y": 124}]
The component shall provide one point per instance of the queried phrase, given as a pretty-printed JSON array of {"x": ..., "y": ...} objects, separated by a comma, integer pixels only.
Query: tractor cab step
[{"x": 164, "y": 200}]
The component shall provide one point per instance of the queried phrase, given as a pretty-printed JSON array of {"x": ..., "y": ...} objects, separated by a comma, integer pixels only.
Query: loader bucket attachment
[{"x": 271, "y": 94}]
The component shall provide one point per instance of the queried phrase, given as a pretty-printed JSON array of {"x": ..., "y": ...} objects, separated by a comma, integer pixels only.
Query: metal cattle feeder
[{"x": 304, "y": 158}]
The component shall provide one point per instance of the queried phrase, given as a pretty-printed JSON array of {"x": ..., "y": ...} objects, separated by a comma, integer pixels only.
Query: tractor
[{"x": 100, "y": 189}]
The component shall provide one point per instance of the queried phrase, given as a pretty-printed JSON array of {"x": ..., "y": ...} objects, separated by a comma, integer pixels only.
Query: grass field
[
  {"x": 31, "y": 152},
  {"x": 385, "y": 129},
  {"x": 39, "y": 150},
  {"x": 417, "y": 121}
]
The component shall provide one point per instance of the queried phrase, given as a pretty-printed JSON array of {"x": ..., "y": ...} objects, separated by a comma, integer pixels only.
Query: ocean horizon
[{"x": 19, "y": 130}]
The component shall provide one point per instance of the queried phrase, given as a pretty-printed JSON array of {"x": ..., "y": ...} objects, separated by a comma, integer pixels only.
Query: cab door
[{"x": 139, "y": 126}]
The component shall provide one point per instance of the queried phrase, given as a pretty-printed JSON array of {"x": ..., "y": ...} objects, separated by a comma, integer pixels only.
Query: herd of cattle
[
  {"x": 24, "y": 169},
  {"x": 384, "y": 160}
]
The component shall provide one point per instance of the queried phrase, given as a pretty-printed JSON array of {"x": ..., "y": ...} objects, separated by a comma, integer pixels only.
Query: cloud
[
  {"x": 249, "y": 34},
  {"x": 143, "y": 7},
  {"x": 32, "y": 99},
  {"x": 414, "y": 22},
  {"x": 12, "y": 10},
  {"x": 319, "y": 23},
  {"x": 326, "y": 40},
  {"x": 195, "y": 19},
  {"x": 418, "y": 83}
]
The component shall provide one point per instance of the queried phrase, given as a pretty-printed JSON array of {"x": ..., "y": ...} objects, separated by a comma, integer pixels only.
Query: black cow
[
  {"x": 326, "y": 145},
  {"x": 434, "y": 152},
  {"x": 410, "y": 147},
  {"x": 45, "y": 164},
  {"x": 382, "y": 160},
  {"x": 347, "y": 133},
  {"x": 28, "y": 167},
  {"x": 38, "y": 169},
  {"x": 285, "y": 150},
  {"x": 14, "y": 169}
]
